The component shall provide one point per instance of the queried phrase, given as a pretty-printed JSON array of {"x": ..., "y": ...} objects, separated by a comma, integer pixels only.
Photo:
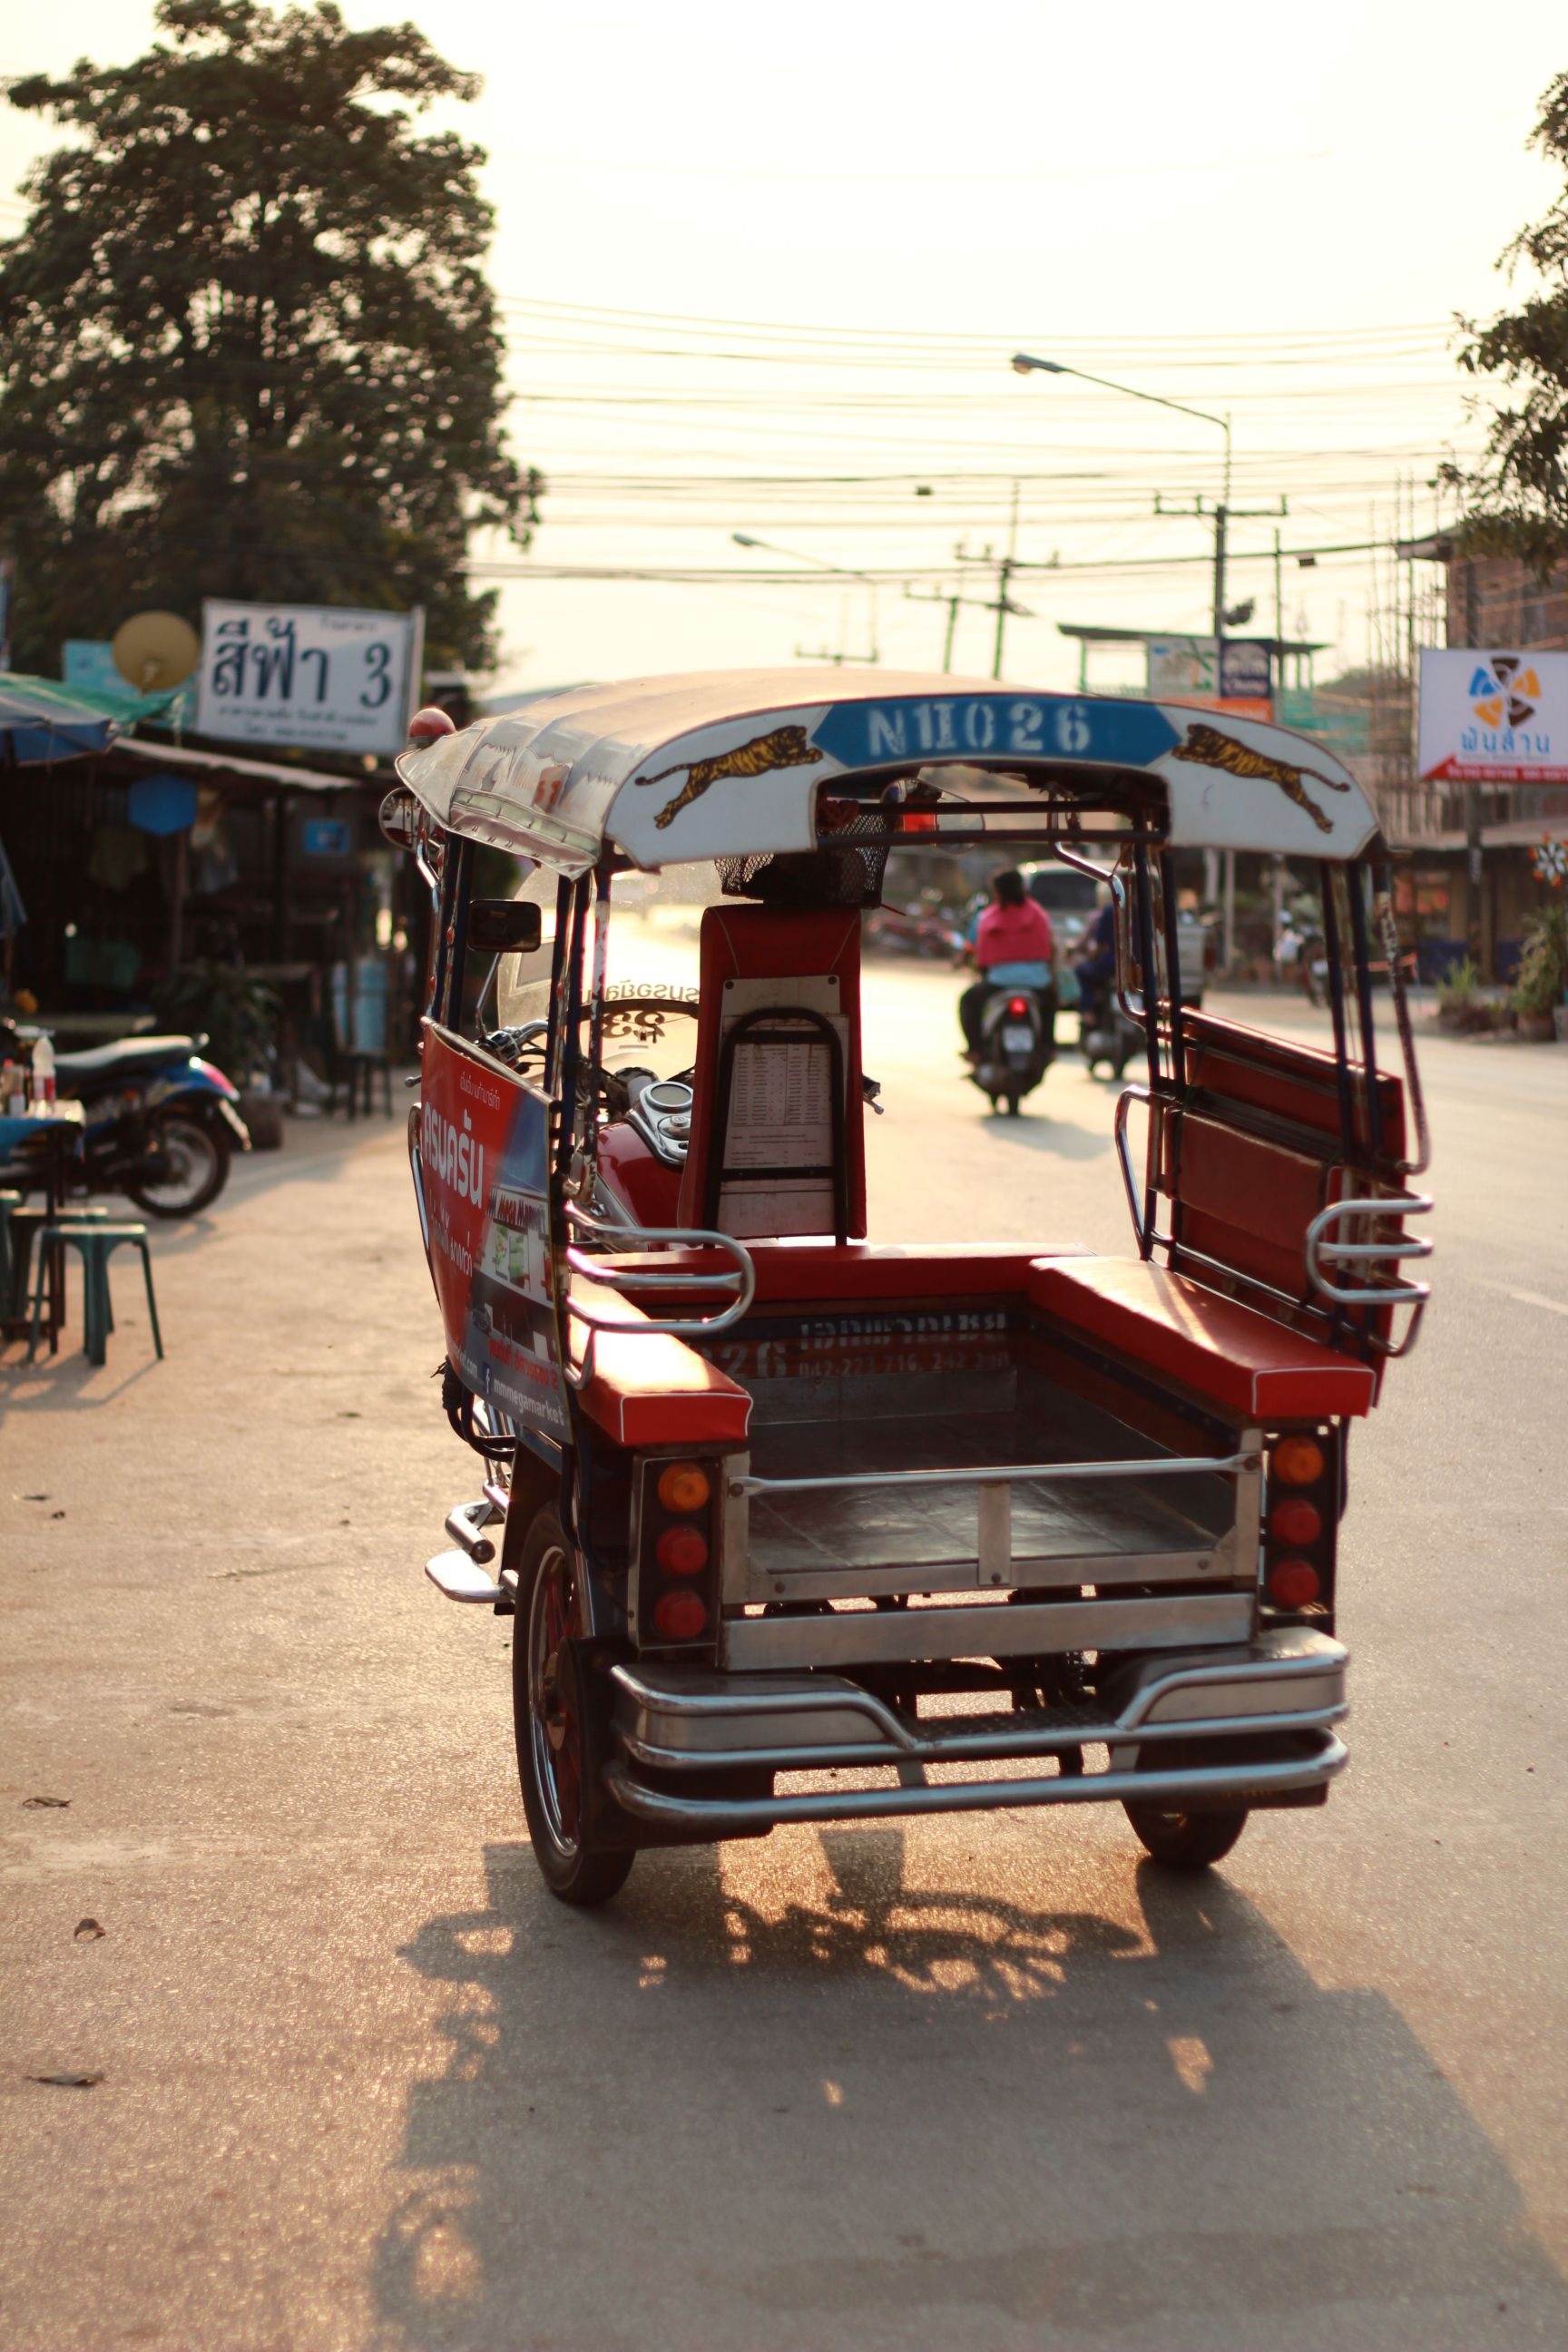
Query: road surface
[{"x": 983, "y": 2080}]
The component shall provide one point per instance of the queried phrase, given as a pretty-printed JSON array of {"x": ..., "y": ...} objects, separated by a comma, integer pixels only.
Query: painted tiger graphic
[{"x": 787, "y": 747}]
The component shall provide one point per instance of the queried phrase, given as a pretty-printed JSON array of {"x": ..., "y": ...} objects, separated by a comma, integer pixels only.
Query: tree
[
  {"x": 247, "y": 344},
  {"x": 1517, "y": 498}
]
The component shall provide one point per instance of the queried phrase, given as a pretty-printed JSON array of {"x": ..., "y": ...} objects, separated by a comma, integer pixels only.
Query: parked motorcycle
[
  {"x": 163, "y": 1125},
  {"x": 1017, "y": 1046}
]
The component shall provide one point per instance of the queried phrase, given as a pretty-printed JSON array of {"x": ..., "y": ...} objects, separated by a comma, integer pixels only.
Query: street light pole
[{"x": 1026, "y": 363}]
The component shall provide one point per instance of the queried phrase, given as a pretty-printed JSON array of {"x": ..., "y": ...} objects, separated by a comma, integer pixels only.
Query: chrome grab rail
[
  {"x": 1317, "y": 1248},
  {"x": 604, "y": 1271},
  {"x": 1004, "y": 1474},
  {"x": 1124, "y": 1101}
]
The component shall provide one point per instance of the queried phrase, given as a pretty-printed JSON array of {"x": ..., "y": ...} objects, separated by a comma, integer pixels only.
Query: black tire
[
  {"x": 1187, "y": 1841},
  {"x": 1015, "y": 1104},
  {"x": 557, "y": 1719},
  {"x": 201, "y": 1151}
]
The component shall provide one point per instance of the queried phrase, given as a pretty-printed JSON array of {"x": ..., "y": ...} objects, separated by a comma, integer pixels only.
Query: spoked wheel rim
[
  {"x": 192, "y": 1161},
  {"x": 555, "y": 1730}
]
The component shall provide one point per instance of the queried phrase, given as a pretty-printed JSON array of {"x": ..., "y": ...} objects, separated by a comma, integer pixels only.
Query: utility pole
[
  {"x": 953, "y": 599},
  {"x": 1221, "y": 512},
  {"x": 1002, "y": 604}
]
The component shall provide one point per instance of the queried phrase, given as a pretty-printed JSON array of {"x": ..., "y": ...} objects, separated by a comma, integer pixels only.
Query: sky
[{"x": 763, "y": 270}]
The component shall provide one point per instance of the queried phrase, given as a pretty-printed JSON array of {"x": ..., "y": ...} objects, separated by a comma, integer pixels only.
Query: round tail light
[
  {"x": 1296, "y": 1521},
  {"x": 680, "y": 1616},
  {"x": 1297, "y": 1461},
  {"x": 681, "y": 1551},
  {"x": 1017, "y": 1006},
  {"x": 1293, "y": 1583},
  {"x": 683, "y": 1487}
]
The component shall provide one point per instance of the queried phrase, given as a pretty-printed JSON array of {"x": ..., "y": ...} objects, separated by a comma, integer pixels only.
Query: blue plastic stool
[{"x": 97, "y": 1242}]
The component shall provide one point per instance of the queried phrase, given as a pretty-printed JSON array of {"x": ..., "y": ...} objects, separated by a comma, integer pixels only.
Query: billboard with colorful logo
[
  {"x": 1493, "y": 718},
  {"x": 480, "y": 1154}
]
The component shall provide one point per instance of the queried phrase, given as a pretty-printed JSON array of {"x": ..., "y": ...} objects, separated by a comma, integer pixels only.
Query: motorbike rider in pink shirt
[{"x": 1012, "y": 949}]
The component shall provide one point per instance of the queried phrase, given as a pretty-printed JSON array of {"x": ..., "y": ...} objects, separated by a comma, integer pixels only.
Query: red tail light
[
  {"x": 680, "y": 1616},
  {"x": 1296, "y": 1521},
  {"x": 681, "y": 1551},
  {"x": 1018, "y": 1006},
  {"x": 1294, "y": 1583}
]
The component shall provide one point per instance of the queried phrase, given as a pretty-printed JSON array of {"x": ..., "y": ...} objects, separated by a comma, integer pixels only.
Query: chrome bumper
[{"x": 1286, "y": 1689}]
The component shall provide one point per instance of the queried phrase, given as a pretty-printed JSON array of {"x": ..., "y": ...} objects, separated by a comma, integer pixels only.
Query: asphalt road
[{"x": 981, "y": 2081}]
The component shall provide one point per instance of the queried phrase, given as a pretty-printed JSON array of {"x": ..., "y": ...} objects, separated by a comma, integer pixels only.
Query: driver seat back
[{"x": 778, "y": 1143}]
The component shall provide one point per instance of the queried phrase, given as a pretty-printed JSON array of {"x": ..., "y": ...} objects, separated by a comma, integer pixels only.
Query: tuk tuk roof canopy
[{"x": 725, "y": 762}]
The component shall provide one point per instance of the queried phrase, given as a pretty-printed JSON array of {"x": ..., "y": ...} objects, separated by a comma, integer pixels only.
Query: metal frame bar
[
  {"x": 1222, "y": 1783},
  {"x": 1009, "y": 1474},
  {"x": 602, "y": 1270}
]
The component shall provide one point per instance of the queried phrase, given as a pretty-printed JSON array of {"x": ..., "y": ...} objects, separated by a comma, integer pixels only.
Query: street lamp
[
  {"x": 841, "y": 570},
  {"x": 1024, "y": 363}
]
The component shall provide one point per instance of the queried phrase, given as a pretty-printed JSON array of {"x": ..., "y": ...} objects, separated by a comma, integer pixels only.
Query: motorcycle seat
[{"x": 123, "y": 1054}]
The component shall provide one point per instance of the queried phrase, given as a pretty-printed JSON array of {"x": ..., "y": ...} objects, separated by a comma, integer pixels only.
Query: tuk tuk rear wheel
[
  {"x": 1187, "y": 1841},
  {"x": 557, "y": 1717}
]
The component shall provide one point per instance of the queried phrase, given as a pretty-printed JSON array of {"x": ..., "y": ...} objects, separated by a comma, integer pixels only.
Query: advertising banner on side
[
  {"x": 320, "y": 676},
  {"x": 1236, "y": 675},
  {"x": 1490, "y": 717},
  {"x": 480, "y": 1167}
]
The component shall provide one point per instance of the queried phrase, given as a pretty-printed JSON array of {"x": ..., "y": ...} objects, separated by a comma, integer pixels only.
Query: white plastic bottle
[{"x": 43, "y": 1071}]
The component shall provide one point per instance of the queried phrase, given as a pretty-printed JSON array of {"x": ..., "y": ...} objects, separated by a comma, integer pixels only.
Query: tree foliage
[
  {"x": 246, "y": 343},
  {"x": 1517, "y": 498}
]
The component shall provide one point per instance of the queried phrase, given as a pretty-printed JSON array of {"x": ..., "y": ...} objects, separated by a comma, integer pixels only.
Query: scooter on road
[{"x": 1017, "y": 1046}]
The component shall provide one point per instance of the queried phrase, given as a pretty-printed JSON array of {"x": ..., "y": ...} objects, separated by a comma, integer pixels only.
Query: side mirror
[
  {"x": 505, "y": 926},
  {"x": 396, "y": 817}
]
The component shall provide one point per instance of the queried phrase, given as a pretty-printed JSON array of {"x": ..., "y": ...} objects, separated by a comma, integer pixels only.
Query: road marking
[{"x": 1527, "y": 1297}]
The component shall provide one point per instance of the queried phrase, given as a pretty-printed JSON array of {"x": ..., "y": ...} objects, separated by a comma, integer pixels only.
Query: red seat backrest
[
  {"x": 1259, "y": 1150},
  {"x": 765, "y": 959}
]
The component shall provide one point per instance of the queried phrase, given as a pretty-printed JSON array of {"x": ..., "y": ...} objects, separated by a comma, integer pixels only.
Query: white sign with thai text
[
  {"x": 317, "y": 676},
  {"x": 1491, "y": 718}
]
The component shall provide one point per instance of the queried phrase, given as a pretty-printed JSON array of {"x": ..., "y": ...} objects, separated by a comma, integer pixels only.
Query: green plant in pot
[
  {"x": 1543, "y": 982},
  {"x": 238, "y": 1012}
]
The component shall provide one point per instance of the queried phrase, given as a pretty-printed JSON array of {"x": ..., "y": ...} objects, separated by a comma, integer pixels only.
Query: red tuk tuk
[{"x": 794, "y": 1526}]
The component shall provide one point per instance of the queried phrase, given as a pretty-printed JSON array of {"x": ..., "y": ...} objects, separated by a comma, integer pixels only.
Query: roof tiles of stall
[{"x": 724, "y": 762}]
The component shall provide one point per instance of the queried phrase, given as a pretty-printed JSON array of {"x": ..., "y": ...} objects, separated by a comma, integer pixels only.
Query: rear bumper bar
[
  {"x": 1275, "y": 1697},
  {"x": 1214, "y": 1786}
]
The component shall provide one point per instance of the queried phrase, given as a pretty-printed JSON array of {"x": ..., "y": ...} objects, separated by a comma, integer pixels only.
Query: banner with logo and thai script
[
  {"x": 320, "y": 676},
  {"x": 1235, "y": 675},
  {"x": 482, "y": 1151},
  {"x": 1493, "y": 718}
]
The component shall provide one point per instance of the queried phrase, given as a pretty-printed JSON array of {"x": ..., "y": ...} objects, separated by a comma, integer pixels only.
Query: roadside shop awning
[
  {"x": 42, "y": 722},
  {"x": 216, "y": 764}
]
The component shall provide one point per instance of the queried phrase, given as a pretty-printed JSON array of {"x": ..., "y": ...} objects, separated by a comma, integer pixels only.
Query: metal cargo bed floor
[{"x": 927, "y": 1526}]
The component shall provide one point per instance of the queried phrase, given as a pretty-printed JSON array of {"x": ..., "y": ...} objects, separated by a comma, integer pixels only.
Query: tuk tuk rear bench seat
[
  {"x": 648, "y": 1388},
  {"x": 1241, "y": 1359}
]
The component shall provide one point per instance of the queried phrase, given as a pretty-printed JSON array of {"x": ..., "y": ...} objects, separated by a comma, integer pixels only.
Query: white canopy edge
[{"x": 727, "y": 763}]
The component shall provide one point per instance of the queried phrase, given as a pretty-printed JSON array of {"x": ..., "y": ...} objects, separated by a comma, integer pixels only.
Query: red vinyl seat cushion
[
  {"x": 1248, "y": 1363},
  {"x": 649, "y": 1389}
]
